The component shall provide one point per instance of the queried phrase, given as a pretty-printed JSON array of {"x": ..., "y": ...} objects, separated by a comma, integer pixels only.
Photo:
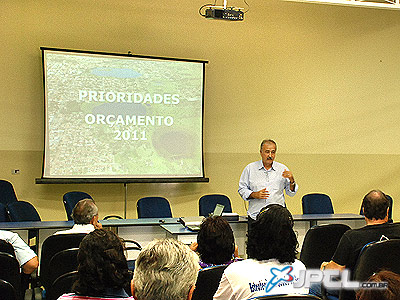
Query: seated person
[
  {"x": 165, "y": 270},
  {"x": 102, "y": 268},
  {"x": 26, "y": 257},
  {"x": 392, "y": 292},
  {"x": 375, "y": 207},
  {"x": 86, "y": 218},
  {"x": 215, "y": 243},
  {"x": 271, "y": 267}
]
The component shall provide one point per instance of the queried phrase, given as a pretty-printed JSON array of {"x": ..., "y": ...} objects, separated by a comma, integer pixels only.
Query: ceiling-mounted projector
[
  {"x": 229, "y": 14},
  {"x": 222, "y": 12}
]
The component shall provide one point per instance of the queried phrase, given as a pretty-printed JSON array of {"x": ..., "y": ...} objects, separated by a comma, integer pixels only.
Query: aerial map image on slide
[{"x": 119, "y": 116}]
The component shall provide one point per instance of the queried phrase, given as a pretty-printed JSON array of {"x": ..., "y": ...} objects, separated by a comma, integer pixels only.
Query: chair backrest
[
  {"x": 10, "y": 271},
  {"x": 7, "y": 291},
  {"x": 288, "y": 297},
  {"x": 6, "y": 247},
  {"x": 51, "y": 246},
  {"x": 390, "y": 208},
  {"x": 3, "y": 213},
  {"x": 22, "y": 211},
  {"x": 317, "y": 204},
  {"x": 320, "y": 243},
  {"x": 377, "y": 256},
  {"x": 207, "y": 204},
  {"x": 70, "y": 199},
  {"x": 207, "y": 282},
  {"x": 373, "y": 258},
  {"x": 153, "y": 207},
  {"x": 61, "y": 285},
  {"x": 7, "y": 193},
  {"x": 63, "y": 262}
]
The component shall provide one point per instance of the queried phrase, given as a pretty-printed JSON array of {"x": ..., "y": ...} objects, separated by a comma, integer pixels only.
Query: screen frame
[{"x": 64, "y": 180}]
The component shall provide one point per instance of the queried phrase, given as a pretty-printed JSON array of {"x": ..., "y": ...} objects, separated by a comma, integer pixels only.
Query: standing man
[{"x": 263, "y": 182}]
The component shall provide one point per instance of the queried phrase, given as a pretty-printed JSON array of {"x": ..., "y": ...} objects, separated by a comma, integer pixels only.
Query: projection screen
[{"x": 122, "y": 116}]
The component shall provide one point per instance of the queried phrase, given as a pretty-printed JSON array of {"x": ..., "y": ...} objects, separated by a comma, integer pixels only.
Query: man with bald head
[{"x": 375, "y": 207}]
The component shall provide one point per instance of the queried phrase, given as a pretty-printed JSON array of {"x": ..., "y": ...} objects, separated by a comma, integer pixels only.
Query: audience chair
[
  {"x": 3, "y": 213},
  {"x": 207, "y": 282},
  {"x": 373, "y": 258},
  {"x": 207, "y": 204},
  {"x": 63, "y": 262},
  {"x": 288, "y": 297},
  {"x": 22, "y": 211},
  {"x": 6, "y": 247},
  {"x": 10, "y": 272},
  {"x": 317, "y": 204},
  {"x": 7, "y": 193},
  {"x": 61, "y": 285},
  {"x": 70, "y": 199},
  {"x": 7, "y": 291},
  {"x": 320, "y": 243},
  {"x": 153, "y": 207},
  {"x": 130, "y": 245},
  {"x": 51, "y": 246},
  {"x": 390, "y": 208}
]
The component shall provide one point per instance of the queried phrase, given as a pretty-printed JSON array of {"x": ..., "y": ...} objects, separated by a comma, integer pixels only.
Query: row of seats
[
  {"x": 321, "y": 241},
  {"x": 154, "y": 207},
  {"x": 147, "y": 207},
  {"x": 58, "y": 264}
]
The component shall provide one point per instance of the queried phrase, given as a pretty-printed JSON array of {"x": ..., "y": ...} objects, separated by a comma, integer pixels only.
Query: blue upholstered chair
[
  {"x": 22, "y": 211},
  {"x": 3, "y": 213},
  {"x": 153, "y": 207},
  {"x": 7, "y": 193},
  {"x": 317, "y": 204},
  {"x": 70, "y": 199},
  {"x": 207, "y": 204}
]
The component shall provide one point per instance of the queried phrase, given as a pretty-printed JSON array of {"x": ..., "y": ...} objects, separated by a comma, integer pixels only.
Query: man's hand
[
  {"x": 261, "y": 194},
  {"x": 331, "y": 265},
  {"x": 194, "y": 246},
  {"x": 289, "y": 175},
  {"x": 98, "y": 225}
]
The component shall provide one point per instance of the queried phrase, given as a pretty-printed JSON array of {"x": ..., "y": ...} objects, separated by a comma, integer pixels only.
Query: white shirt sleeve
[
  {"x": 225, "y": 291},
  {"x": 23, "y": 252}
]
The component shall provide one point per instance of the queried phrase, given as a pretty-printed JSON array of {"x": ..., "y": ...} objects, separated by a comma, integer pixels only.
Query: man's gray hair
[
  {"x": 165, "y": 269},
  {"x": 267, "y": 141},
  {"x": 84, "y": 211}
]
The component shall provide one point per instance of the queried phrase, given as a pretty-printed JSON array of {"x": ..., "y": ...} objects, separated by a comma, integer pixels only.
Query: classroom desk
[
  {"x": 314, "y": 219},
  {"x": 301, "y": 224},
  {"x": 146, "y": 229}
]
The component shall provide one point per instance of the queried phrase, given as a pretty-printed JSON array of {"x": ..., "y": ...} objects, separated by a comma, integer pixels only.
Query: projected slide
[{"x": 111, "y": 116}]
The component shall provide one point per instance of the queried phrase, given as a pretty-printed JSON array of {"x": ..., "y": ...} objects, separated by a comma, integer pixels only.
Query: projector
[{"x": 229, "y": 14}]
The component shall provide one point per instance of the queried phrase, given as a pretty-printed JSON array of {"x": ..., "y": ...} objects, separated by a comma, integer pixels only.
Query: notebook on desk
[{"x": 193, "y": 223}]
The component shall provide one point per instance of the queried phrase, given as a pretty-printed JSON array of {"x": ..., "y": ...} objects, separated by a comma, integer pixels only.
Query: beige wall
[{"x": 321, "y": 80}]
